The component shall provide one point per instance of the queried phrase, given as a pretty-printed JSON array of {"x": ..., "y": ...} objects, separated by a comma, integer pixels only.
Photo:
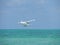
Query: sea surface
[{"x": 29, "y": 37}]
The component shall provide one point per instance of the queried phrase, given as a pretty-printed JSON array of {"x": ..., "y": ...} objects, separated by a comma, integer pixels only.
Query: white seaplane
[{"x": 25, "y": 23}]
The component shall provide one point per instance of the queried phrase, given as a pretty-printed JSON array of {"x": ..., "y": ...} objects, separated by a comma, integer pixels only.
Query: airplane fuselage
[{"x": 26, "y": 23}]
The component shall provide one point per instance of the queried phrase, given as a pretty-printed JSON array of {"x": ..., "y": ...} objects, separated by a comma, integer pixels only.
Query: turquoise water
[{"x": 29, "y": 37}]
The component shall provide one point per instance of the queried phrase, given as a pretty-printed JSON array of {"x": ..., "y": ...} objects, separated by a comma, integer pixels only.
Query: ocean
[{"x": 29, "y": 37}]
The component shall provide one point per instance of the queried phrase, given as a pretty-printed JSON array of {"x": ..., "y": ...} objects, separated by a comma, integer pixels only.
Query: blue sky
[{"x": 46, "y": 13}]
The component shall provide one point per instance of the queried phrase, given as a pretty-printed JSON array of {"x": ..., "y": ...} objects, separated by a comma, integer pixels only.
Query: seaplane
[{"x": 26, "y": 23}]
